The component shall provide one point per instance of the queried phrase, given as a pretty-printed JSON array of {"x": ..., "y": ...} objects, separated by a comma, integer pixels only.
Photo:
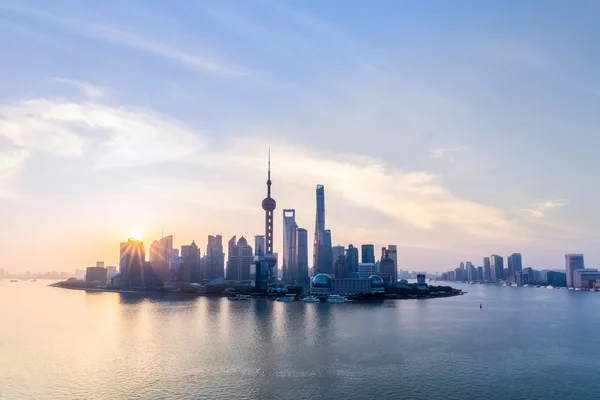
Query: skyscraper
[
  {"x": 340, "y": 269},
  {"x": 497, "y": 267},
  {"x": 303, "y": 277},
  {"x": 515, "y": 265},
  {"x": 352, "y": 258},
  {"x": 215, "y": 258},
  {"x": 289, "y": 267},
  {"x": 259, "y": 244},
  {"x": 573, "y": 262},
  {"x": 240, "y": 259},
  {"x": 367, "y": 253},
  {"x": 190, "y": 255},
  {"x": 393, "y": 253},
  {"x": 322, "y": 254},
  {"x": 337, "y": 251},
  {"x": 160, "y": 254},
  {"x": 487, "y": 272},
  {"x": 131, "y": 262},
  {"x": 388, "y": 266}
]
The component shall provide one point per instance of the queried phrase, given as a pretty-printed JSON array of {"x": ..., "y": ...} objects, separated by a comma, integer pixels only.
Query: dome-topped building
[
  {"x": 377, "y": 284},
  {"x": 321, "y": 284}
]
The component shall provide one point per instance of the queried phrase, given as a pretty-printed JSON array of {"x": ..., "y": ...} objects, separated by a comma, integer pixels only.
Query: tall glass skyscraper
[
  {"x": 573, "y": 262},
  {"x": 289, "y": 267},
  {"x": 352, "y": 258},
  {"x": 368, "y": 253},
  {"x": 322, "y": 255},
  {"x": 303, "y": 277}
]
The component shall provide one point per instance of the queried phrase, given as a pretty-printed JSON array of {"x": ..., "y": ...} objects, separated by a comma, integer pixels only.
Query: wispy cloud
[
  {"x": 110, "y": 136},
  {"x": 122, "y": 37},
  {"x": 443, "y": 152},
  {"x": 11, "y": 162},
  {"x": 539, "y": 210},
  {"x": 88, "y": 89}
]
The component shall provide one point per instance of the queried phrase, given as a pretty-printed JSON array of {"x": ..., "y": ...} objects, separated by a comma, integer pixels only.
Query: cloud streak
[
  {"x": 443, "y": 152},
  {"x": 540, "y": 210},
  {"x": 104, "y": 32}
]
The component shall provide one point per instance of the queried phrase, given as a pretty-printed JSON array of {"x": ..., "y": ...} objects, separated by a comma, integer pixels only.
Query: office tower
[
  {"x": 303, "y": 277},
  {"x": 131, "y": 262},
  {"x": 322, "y": 254},
  {"x": 367, "y": 253},
  {"x": 259, "y": 244},
  {"x": 496, "y": 267},
  {"x": 340, "y": 269},
  {"x": 388, "y": 266},
  {"x": 191, "y": 258},
  {"x": 289, "y": 266},
  {"x": 352, "y": 258},
  {"x": 365, "y": 270},
  {"x": 240, "y": 259},
  {"x": 266, "y": 262},
  {"x": 96, "y": 275},
  {"x": 393, "y": 253},
  {"x": 111, "y": 272},
  {"x": 487, "y": 272},
  {"x": 215, "y": 258},
  {"x": 515, "y": 264},
  {"x": 573, "y": 262},
  {"x": 480, "y": 274},
  {"x": 174, "y": 253},
  {"x": 337, "y": 251},
  {"x": 160, "y": 254}
]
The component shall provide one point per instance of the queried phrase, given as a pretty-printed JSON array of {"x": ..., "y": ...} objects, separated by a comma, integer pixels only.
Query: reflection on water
[{"x": 63, "y": 344}]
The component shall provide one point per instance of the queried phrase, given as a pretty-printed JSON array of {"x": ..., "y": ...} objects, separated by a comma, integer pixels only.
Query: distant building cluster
[{"x": 575, "y": 275}]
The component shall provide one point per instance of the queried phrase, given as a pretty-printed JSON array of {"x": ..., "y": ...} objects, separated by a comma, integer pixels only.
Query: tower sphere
[{"x": 268, "y": 204}]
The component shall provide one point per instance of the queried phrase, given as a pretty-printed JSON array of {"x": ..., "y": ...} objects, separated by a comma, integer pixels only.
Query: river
[{"x": 525, "y": 343}]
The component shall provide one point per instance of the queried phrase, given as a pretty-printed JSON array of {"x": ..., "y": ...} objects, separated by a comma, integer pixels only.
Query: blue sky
[{"x": 452, "y": 129}]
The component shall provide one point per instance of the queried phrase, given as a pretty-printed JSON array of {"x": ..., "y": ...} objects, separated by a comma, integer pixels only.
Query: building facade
[
  {"x": 340, "y": 269},
  {"x": 240, "y": 259},
  {"x": 367, "y": 253},
  {"x": 215, "y": 258},
  {"x": 303, "y": 275},
  {"x": 160, "y": 254},
  {"x": 353, "y": 261},
  {"x": 496, "y": 267},
  {"x": 191, "y": 257},
  {"x": 131, "y": 262},
  {"x": 573, "y": 262},
  {"x": 289, "y": 265}
]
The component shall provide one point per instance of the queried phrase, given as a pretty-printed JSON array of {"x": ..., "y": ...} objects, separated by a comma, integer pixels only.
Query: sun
[{"x": 137, "y": 236}]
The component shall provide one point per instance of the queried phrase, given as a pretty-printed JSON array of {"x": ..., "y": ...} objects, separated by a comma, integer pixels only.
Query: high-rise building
[
  {"x": 95, "y": 275},
  {"x": 340, "y": 269},
  {"x": 191, "y": 259},
  {"x": 322, "y": 254},
  {"x": 131, "y": 262},
  {"x": 289, "y": 267},
  {"x": 573, "y": 262},
  {"x": 393, "y": 253},
  {"x": 240, "y": 259},
  {"x": 337, "y": 251},
  {"x": 515, "y": 265},
  {"x": 175, "y": 253},
  {"x": 303, "y": 277},
  {"x": 215, "y": 258},
  {"x": 260, "y": 244},
  {"x": 487, "y": 271},
  {"x": 388, "y": 266},
  {"x": 352, "y": 258},
  {"x": 367, "y": 253},
  {"x": 160, "y": 254},
  {"x": 497, "y": 267},
  {"x": 480, "y": 274},
  {"x": 365, "y": 270}
]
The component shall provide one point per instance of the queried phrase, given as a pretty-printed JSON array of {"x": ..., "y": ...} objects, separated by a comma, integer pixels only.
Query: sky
[{"x": 454, "y": 130}]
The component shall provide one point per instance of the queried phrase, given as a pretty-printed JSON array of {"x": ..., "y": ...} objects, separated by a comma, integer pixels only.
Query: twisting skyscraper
[{"x": 322, "y": 255}]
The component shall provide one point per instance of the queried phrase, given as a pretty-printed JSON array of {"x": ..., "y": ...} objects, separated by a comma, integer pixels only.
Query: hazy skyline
[{"x": 454, "y": 130}]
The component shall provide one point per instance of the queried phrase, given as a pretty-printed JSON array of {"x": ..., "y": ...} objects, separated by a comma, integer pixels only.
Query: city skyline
[{"x": 114, "y": 126}]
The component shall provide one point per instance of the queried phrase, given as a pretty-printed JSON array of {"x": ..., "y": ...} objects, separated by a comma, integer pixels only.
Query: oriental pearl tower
[{"x": 268, "y": 204}]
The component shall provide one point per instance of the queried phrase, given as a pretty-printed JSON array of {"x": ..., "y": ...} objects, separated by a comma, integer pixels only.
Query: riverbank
[{"x": 430, "y": 292}]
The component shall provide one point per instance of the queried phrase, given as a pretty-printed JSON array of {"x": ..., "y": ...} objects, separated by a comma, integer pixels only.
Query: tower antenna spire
[{"x": 269, "y": 175}]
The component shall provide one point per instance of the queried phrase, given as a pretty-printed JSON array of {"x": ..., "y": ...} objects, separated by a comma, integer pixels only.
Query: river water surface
[{"x": 525, "y": 343}]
